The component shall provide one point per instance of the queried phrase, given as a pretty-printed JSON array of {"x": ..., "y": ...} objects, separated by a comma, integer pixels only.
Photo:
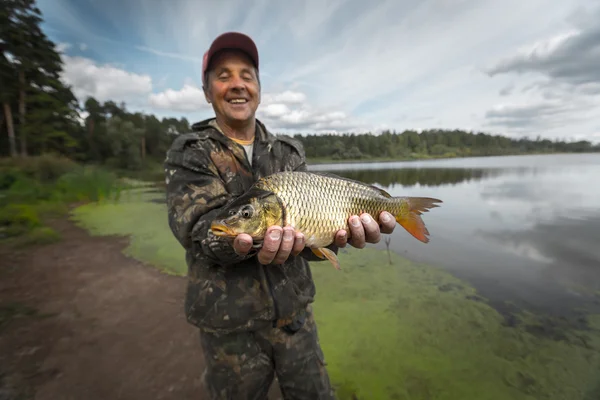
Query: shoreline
[{"x": 320, "y": 161}]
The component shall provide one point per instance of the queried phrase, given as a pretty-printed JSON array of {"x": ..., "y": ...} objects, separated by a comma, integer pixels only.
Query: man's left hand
[
  {"x": 280, "y": 243},
  {"x": 365, "y": 229}
]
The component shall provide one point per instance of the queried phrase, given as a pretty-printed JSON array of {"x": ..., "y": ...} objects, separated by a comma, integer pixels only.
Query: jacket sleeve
[{"x": 195, "y": 194}]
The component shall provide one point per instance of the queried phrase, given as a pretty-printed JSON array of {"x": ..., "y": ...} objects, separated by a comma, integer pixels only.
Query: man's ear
[{"x": 206, "y": 94}]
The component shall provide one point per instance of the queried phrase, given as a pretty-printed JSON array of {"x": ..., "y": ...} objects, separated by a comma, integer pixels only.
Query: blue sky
[{"x": 513, "y": 67}]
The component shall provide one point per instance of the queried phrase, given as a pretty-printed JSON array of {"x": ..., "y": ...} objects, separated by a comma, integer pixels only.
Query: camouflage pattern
[
  {"x": 242, "y": 365},
  {"x": 227, "y": 292},
  {"x": 246, "y": 311}
]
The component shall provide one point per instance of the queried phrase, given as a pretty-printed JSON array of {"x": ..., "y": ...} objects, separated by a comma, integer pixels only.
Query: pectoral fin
[{"x": 325, "y": 253}]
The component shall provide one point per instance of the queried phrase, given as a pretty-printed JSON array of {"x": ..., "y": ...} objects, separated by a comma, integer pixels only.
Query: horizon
[{"x": 531, "y": 71}]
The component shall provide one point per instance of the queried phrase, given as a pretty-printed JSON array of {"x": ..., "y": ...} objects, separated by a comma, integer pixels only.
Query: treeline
[
  {"x": 40, "y": 113},
  {"x": 430, "y": 143}
]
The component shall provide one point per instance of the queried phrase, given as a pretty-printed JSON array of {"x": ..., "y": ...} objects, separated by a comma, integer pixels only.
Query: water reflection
[
  {"x": 521, "y": 229},
  {"x": 420, "y": 176}
]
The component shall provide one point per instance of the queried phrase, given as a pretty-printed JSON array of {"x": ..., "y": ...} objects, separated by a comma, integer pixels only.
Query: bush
[
  {"x": 16, "y": 219},
  {"x": 46, "y": 168},
  {"x": 87, "y": 184}
]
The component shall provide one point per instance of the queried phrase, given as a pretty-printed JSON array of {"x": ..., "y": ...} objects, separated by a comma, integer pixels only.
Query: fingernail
[
  {"x": 366, "y": 218},
  {"x": 275, "y": 235},
  {"x": 355, "y": 221},
  {"x": 288, "y": 235},
  {"x": 385, "y": 217},
  {"x": 245, "y": 243}
]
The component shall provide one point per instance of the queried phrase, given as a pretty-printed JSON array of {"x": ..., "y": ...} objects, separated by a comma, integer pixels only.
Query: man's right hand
[{"x": 278, "y": 244}]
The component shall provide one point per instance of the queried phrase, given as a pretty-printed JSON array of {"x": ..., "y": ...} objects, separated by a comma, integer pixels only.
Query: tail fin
[{"x": 410, "y": 215}]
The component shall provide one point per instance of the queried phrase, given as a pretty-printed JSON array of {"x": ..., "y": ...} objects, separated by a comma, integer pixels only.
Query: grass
[{"x": 400, "y": 331}]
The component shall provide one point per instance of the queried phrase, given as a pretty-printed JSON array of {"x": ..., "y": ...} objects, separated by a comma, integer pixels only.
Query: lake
[{"x": 522, "y": 229}]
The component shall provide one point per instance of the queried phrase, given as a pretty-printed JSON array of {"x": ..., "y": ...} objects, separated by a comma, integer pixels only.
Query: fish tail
[{"x": 408, "y": 214}]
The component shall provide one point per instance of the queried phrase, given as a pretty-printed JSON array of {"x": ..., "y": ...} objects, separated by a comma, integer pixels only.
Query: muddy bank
[{"x": 80, "y": 320}]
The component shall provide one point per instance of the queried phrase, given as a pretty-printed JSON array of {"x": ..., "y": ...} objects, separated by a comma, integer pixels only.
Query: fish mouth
[{"x": 221, "y": 230}]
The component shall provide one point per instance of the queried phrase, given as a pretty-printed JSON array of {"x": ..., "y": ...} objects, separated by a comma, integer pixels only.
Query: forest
[{"x": 41, "y": 115}]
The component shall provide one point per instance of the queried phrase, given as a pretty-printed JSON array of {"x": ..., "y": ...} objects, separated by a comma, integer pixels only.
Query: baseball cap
[{"x": 230, "y": 40}]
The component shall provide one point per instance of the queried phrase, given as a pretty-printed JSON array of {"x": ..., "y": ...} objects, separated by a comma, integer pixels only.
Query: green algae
[
  {"x": 400, "y": 331},
  {"x": 410, "y": 331},
  {"x": 140, "y": 215}
]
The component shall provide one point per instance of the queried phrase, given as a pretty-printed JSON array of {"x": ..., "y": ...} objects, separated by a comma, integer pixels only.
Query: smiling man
[{"x": 252, "y": 306}]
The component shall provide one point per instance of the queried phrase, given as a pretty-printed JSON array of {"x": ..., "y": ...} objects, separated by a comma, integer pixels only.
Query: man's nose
[{"x": 237, "y": 82}]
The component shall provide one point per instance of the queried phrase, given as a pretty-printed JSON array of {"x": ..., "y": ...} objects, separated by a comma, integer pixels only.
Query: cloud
[
  {"x": 169, "y": 54},
  {"x": 104, "y": 82},
  {"x": 189, "y": 98},
  {"x": 559, "y": 79},
  {"x": 571, "y": 57},
  {"x": 400, "y": 64},
  {"x": 545, "y": 114},
  {"x": 291, "y": 111}
]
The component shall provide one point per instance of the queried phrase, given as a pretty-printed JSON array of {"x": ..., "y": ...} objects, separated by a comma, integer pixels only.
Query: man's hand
[
  {"x": 365, "y": 230},
  {"x": 278, "y": 245}
]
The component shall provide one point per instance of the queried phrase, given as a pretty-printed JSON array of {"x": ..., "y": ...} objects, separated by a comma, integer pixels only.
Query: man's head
[{"x": 230, "y": 78}]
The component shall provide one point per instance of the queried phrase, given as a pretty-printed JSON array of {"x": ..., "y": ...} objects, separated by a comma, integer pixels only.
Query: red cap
[{"x": 230, "y": 40}]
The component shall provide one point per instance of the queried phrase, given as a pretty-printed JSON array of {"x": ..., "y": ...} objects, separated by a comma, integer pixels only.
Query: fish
[{"x": 317, "y": 204}]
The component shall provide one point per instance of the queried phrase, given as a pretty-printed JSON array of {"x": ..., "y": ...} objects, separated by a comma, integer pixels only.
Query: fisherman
[{"x": 252, "y": 306}]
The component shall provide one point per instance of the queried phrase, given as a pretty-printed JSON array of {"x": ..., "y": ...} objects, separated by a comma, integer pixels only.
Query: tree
[{"x": 31, "y": 67}]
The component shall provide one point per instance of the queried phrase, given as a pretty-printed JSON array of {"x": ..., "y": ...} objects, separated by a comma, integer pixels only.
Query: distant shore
[{"x": 423, "y": 157}]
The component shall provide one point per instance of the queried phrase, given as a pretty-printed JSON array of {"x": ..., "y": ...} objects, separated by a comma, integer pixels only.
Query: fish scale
[{"x": 318, "y": 205}]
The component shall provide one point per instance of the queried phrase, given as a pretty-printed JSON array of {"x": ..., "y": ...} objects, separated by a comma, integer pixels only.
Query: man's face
[{"x": 233, "y": 87}]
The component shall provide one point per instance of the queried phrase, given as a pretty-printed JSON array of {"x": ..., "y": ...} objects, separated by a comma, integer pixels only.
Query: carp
[{"x": 317, "y": 204}]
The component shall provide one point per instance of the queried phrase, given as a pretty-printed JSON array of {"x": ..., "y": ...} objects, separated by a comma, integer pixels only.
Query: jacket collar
[{"x": 262, "y": 134}]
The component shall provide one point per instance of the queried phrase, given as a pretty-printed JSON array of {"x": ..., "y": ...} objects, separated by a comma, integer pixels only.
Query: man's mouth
[{"x": 238, "y": 101}]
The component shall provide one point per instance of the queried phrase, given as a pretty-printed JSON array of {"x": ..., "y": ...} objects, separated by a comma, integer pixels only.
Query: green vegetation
[
  {"x": 428, "y": 144},
  {"x": 400, "y": 331},
  {"x": 34, "y": 189},
  {"x": 141, "y": 214},
  {"x": 408, "y": 331}
]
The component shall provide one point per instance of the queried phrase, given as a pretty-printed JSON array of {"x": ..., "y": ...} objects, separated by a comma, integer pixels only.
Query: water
[{"x": 521, "y": 229}]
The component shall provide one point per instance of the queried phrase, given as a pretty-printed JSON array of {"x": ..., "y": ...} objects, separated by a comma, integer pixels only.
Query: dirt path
[{"x": 106, "y": 326}]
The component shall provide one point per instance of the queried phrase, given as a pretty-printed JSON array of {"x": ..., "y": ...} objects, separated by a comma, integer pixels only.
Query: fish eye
[
  {"x": 247, "y": 211},
  {"x": 232, "y": 212}
]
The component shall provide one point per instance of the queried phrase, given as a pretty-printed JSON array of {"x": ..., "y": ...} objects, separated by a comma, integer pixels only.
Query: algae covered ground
[{"x": 401, "y": 330}]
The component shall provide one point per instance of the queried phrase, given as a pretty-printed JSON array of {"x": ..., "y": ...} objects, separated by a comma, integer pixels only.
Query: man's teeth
[{"x": 237, "y": 101}]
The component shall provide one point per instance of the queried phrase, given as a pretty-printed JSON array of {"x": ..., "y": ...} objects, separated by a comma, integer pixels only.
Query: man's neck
[{"x": 243, "y": 132}]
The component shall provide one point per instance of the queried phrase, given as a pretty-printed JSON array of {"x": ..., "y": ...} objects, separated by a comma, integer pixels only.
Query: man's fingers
[
  {"x": 357, "y": 232},
  {"x": 387, "y": 222},
  {"x": 341, "y": 238},
  {"x": 242, "y": 244},
  {"x": 371, "y": 228},
  {"x": 299, "y": 244},
  {"x": 270, "y": 245},
  {"x": 287, "y": 243}
]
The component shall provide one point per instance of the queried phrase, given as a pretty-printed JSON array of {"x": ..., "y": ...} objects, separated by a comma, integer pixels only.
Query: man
[{"x": 253, "y": 307}]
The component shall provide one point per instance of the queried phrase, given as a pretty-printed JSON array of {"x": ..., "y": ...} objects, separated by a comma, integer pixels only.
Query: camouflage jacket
[{"x": 227, "y": 292}]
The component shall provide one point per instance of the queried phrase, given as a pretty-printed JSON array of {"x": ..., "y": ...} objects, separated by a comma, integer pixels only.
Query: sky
[{"x": 516, "y": 68}]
